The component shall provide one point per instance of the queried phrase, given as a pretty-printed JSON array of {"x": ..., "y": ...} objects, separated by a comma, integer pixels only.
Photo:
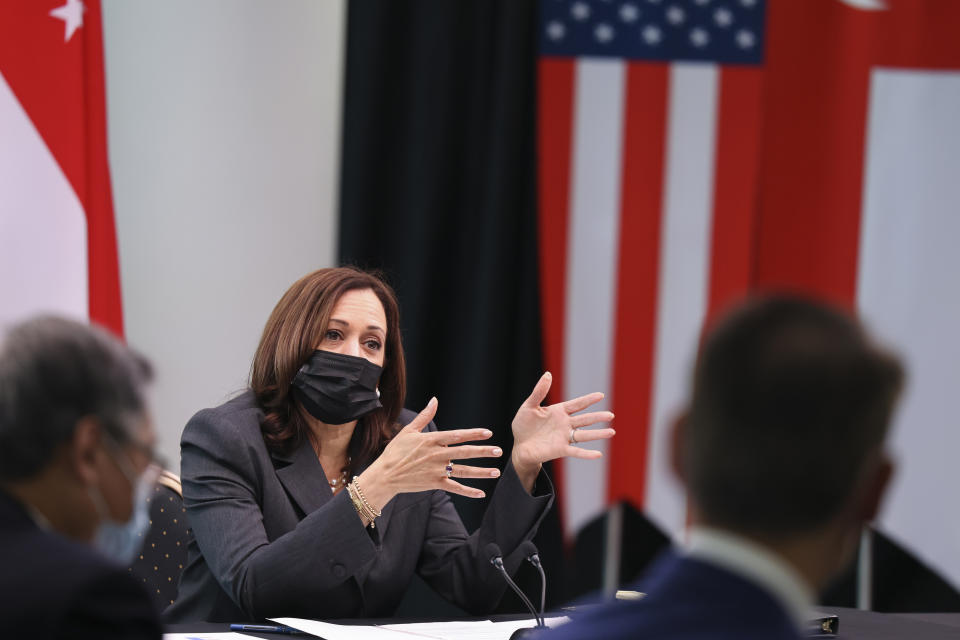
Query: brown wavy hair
[{"x": 296, "y": 326}]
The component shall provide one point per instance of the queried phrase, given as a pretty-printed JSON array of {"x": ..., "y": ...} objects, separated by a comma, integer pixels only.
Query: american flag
[
  {"x": 728, "y": 32},
  {"x": 692, "y": 151},
  {"x": 646, "y": 99}
]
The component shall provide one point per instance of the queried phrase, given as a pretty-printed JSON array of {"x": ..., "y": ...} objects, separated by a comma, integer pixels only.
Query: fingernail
[
  {"x": 495, "y": 473},
  {"x": 497, "y": 451},
  {"x": 481, "y": 494},
  {"x": 614, "y": 431},
  {"x": 487, "y": 433},
  {"x": 548, "y": 374},
  {"x": 433, "y": 401}
]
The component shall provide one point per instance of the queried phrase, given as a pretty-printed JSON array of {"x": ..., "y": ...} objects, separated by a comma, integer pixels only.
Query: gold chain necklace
[{"x": 341, "y": 480}]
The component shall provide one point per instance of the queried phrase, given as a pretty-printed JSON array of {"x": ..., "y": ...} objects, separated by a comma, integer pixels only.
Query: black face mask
[{"x": 335, "y": 388}]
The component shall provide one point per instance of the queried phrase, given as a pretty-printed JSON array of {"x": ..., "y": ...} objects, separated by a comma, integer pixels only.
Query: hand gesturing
[
  {"x": 417, "y": 461},
  {"x": 541, "y": 433}
]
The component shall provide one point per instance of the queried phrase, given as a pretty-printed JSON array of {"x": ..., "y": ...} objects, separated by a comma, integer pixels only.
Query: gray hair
[{"x": 55, "y": 371}]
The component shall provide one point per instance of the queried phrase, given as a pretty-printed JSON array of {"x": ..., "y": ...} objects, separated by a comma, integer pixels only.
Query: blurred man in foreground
[
  {"x": 75, "y": 452},
  {"x": 781, "y": 452}
]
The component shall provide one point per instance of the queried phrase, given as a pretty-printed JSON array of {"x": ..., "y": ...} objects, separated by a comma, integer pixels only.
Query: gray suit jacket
[{"x": 270, "y": 539}]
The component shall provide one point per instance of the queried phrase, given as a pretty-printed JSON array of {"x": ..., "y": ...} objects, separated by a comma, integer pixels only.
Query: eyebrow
[{"x": 370, "y": 327}]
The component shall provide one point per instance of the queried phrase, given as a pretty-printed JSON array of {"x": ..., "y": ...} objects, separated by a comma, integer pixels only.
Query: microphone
[
  {"x": 529, "y": 551},
  {"x": 496, "y": 559}
]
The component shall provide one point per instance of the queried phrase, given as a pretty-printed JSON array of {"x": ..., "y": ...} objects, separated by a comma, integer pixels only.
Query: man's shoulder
[
  {"x": 46, "y": 550},
  {"x": 45, "y": 555},
  {"x": 686, "y": 599},
  {"x": 683, "y": 621},
  {"x": 675, "y": 575},
  {"x": 49, "y": 579},
  {"x": 113, "y": 598}
]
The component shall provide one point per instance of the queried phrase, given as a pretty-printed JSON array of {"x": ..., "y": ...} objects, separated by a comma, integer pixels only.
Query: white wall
[
  {"x": 224, "y": 129},
  {"x": 907, "y": 291}
]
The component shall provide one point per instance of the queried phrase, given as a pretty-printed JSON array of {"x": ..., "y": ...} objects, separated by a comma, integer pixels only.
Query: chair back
[{"x": 164, "y": 552}]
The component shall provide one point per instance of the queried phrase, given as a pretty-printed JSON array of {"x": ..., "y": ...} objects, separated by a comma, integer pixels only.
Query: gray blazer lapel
[{"x": 303, "y": 478}]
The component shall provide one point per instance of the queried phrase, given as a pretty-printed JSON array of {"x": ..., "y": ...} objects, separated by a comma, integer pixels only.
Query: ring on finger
[
  {"x": 573, "y": 436},
  {"x": 449, "y": 469}
]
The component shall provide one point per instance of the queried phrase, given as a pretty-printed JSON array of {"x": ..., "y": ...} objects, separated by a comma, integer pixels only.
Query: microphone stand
[
  {"x": 534, "y": 559},
  {"x": 530, "y": 632}
]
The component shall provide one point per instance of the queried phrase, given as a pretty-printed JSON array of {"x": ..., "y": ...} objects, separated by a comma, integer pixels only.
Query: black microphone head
[
  {"x": 492, "y": 551},
  {"x": 529, "y": 551}
]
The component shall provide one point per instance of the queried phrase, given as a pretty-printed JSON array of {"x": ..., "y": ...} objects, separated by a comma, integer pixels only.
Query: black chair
[
  {"x": 164, "y": 551},
  {"x": 641, "y": 542},
  {"x": 902, "y": 583}
]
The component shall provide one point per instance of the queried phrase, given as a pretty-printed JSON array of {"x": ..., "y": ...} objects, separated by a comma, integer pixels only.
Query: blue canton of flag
[{"x": 720, "y": 31}]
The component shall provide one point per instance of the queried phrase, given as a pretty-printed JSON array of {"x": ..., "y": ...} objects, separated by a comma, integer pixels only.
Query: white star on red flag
[{"x": 72, "y": 16}]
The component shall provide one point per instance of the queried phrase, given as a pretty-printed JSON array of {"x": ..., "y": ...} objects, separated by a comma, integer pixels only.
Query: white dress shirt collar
[
  {"x": 757, "y": 564},
  {"x": 38, "y": 518}
]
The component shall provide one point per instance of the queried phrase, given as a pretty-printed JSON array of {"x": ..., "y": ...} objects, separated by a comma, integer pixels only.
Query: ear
[
  {"x": 678, "y": 441},
  {"x": 875, "y": 487},
  {"x": 85, "y": 449}
]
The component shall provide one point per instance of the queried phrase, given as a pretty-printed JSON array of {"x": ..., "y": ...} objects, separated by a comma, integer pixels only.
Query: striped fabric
[
  {"x": 58, "y": 249},
  {"x": 671, "y": 185},
  {"x": 637, "y": 242}
]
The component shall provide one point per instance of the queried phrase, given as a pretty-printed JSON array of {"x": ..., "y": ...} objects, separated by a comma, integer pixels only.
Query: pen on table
[{"x": 266, "y": 628}]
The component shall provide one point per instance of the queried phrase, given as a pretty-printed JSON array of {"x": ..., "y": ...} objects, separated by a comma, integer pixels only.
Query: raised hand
[
  {"x": 541, "y": 433},
  {"x": 417, "y": 461}
]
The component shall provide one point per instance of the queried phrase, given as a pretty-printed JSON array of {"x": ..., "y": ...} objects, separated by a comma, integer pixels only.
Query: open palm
[{"x": 541, "y": 434}]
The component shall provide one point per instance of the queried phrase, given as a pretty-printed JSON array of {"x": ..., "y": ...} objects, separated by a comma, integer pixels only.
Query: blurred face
[
  {"x": 123, "y": 465},
  {"x": 357, "y": 327}
]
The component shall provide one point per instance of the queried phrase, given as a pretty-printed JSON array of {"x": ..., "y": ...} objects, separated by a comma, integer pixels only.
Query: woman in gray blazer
[{"x": 308, "y": 497}]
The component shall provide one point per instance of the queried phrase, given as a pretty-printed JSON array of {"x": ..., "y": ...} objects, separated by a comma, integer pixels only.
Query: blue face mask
[{"x": 122, "y": 541}]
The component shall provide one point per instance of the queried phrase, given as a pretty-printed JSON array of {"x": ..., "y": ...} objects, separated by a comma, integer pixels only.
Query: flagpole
[
  {"x": 865, "y": 571},
  {"x": 611, "y": 550}
]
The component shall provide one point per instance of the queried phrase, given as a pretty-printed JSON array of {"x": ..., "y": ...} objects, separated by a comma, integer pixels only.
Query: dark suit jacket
[
  {"x": 56, "y": 588},
  {"x": 271, "y": 540},
  {"x": 687, "y": 599}
]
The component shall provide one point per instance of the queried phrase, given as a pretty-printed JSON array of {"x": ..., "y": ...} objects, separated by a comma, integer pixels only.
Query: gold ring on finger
[{"x": 449, "y": 469}]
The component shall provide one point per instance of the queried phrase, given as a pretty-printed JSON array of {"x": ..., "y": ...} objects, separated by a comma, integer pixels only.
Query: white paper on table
[
  {"x": 330, "y": 631},
  {"x": 466, "y": 630},
  {"x": 221, "y": 635},
  {"x": 504, "y": 629}
]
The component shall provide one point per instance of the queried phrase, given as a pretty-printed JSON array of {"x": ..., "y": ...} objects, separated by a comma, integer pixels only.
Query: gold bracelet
[
  {"x": 361, "y": 511},
  {"x": 363, "y": 498}
]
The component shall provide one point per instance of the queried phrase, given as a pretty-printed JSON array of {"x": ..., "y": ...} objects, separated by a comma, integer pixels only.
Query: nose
[{"x": 352, "y": 348}]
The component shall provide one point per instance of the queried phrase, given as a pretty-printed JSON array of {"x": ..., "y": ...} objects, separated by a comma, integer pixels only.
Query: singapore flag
[{"x": 58, "y": 248}]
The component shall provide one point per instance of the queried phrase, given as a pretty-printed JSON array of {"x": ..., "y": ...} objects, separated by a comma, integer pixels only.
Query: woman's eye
[
  {"x": 373, "y": 345},
  {"x": 333, "y": 335}
]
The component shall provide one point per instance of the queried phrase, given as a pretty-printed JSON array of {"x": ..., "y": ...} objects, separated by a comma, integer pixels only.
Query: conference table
[{"x": 854, "y": 625}]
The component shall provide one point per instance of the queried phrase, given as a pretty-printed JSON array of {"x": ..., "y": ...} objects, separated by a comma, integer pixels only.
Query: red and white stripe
[
  {"x": 58, "y": 248},
  {"x": 831, "y": 170},
  {"x": 638, "y": 241}
]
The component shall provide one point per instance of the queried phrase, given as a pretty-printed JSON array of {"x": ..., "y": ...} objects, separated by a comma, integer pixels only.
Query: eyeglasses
[{"x": 154, "y": 459}]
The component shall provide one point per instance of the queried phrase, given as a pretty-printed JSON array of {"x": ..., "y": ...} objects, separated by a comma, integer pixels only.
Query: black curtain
[{"x": 438, "y": 190}]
